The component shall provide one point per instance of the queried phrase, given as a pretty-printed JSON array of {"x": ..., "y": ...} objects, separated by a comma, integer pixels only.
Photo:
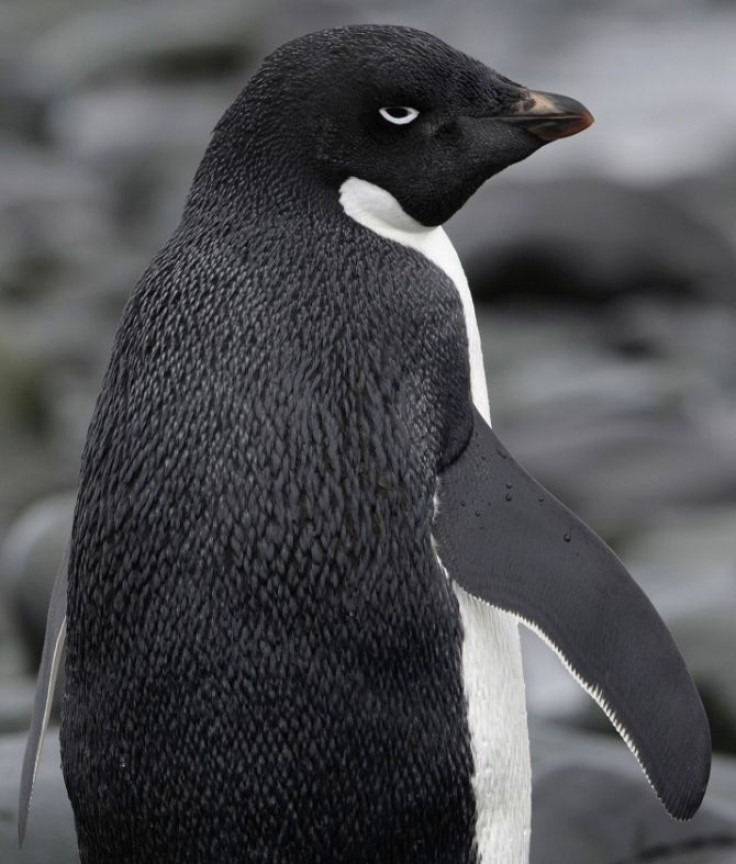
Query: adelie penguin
[{"x": 300, "y": 554}]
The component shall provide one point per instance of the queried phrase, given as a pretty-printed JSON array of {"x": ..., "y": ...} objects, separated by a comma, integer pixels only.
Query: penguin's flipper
[
  {"x": 53, "y": 648},
  {"x": 504, "y": 539}
]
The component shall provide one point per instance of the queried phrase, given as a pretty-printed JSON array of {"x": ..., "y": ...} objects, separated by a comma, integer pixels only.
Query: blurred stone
[
  {"x": 13, "y": 656},
  {"x": 701, "y": 543},
  {"x": 135, "y": 118},
  {"x": 76, "y": 331},
  {"x": 50, "y": 836},
  {"x": 53, "y": 211},
  {"x": 687, "y": 565},
  {"x": 694, "y": 341},
  {"x": 708, "y": 643},
  {"x": 31, "y": 555},
  {"x": 593, "y": 805},
  {"x": 587, "y": 240},
  {"x": 24, "y": 407},
  {"x": 617, "y": 437},
  {"x": 146, "y": 140},
  {"x": 616, "y": 471},
  {"x": 16, "y": 704},
  {"x": 156, "y": 40},
  {"x": 22, "y": 21},
  {"x": 27, "y": 466},
  {"x": 587, "y": 815}
]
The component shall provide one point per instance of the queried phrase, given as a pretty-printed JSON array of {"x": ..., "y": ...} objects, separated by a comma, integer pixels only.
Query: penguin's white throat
[{"x": 377, "y": 209}]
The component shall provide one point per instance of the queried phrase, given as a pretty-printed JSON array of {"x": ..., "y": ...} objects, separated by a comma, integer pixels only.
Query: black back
[{"x": 263, "y": 654}]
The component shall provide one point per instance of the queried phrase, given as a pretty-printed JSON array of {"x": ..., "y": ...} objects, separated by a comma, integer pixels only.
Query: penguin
[{"x": 300, "y": 553}]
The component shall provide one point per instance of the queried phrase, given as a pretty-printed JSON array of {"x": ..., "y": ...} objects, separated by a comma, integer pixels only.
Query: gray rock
[
  {"x": 708, "y": 643},
  {"x": 592, "y": 805},
  {"x": 50, "y": 838},
  {"x": 27, "y": 465},
  {"x": 687, "y": 565},
  {"x": 13, "y": 654},
  {"x": 586, "y": 815},
  {"x": 16, "y": 703},
  {"x": 161, "y": 39},
  {"x": 693, "y": 340},
  {"x": 617, "y": 437},
  {"x": 133, "y": 119},
  {"x": 146, "y": 140},
  {"x": 30, "y": 556},
  {"x": 53, "y": 214},
  {"x": 23, "y": 404},
  {"x": 617, "y": 471},
  {"x": 588, "y": 239}
]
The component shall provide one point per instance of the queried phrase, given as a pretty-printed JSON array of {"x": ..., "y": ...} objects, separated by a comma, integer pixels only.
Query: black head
[{"x": 393, "y": 106}]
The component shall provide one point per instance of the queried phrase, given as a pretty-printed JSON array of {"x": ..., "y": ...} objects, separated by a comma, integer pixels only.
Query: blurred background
[{"x": 604, "y": 270}]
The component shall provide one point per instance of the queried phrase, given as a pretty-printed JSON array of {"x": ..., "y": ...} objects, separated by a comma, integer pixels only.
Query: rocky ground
[{"x": 605, "y": 270}]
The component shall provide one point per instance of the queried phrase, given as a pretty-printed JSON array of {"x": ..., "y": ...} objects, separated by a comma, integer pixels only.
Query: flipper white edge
[{"x": 53, "y": 649}]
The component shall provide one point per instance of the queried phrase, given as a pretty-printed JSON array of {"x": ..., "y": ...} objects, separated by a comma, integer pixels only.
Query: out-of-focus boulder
[
  {"x": 687, "y": 565},
  {"x": 31, "y": 555},
  {"x": 617, "y": 437},
  {"x": 588, "y": 240},
  {"x": 616, "y": 471},
  {"x": 593, "y": 805},
  {"x": 155, "y": 40},
  {"x": 16, "y": 703}
]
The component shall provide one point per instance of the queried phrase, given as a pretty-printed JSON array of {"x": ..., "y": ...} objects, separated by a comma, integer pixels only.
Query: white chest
[{"x": 492, "y": 671}]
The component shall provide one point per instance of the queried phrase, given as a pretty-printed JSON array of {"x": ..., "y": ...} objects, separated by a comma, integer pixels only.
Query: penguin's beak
[{"x": 548, "y": 115}]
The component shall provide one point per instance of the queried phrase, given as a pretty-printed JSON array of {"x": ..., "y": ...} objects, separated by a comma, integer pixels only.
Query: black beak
[{"x": 548, "y": 115}]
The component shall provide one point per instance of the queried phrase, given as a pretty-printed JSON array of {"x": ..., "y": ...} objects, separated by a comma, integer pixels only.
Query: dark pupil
[{"x": 398, "y": 113}]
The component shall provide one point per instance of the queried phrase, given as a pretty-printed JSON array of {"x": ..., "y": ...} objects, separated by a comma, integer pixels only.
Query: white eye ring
[{"x": 399, "y": 115}]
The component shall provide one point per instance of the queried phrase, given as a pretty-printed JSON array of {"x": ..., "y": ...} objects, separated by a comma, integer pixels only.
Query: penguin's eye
[{"x": 399, "y": 115}]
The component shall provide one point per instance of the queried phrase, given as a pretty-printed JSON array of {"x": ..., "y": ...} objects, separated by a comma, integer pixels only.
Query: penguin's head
[{"x": 398, "y": 108}]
